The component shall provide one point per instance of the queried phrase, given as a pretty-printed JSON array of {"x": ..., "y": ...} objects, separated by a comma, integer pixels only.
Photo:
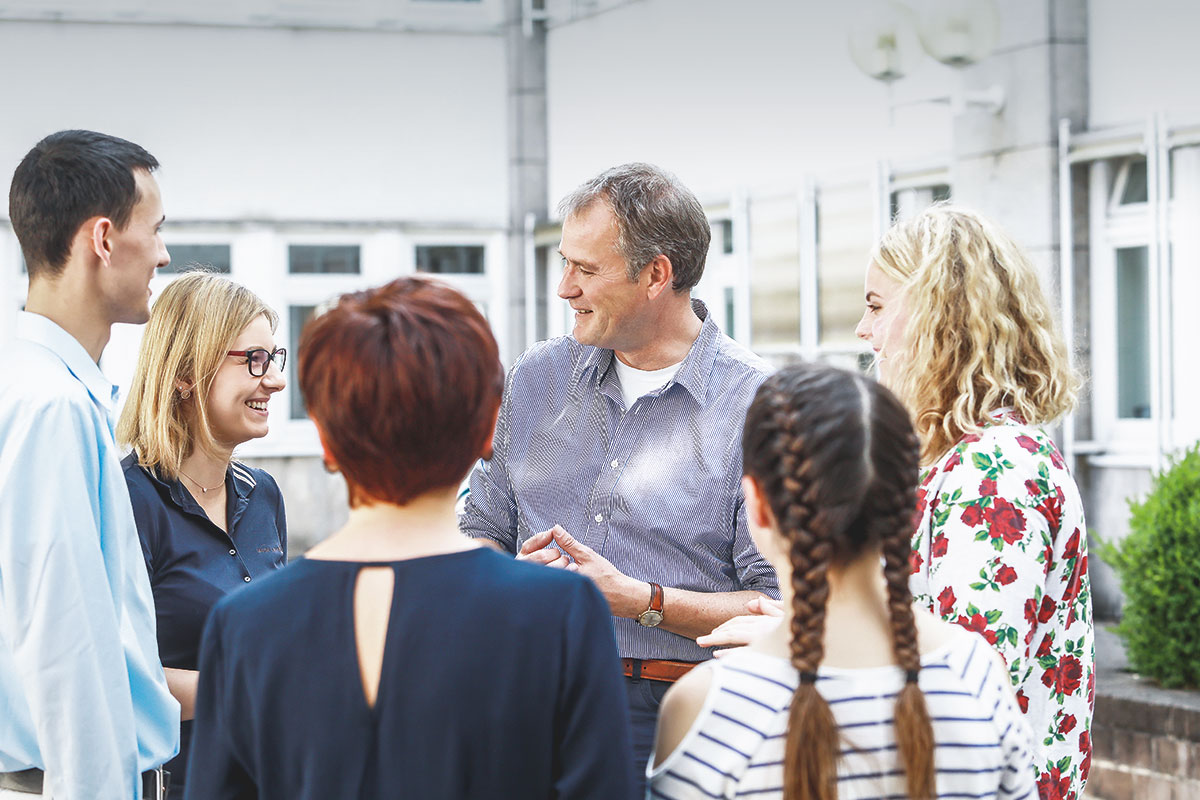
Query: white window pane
[
  {"x": 775, "y": 272},
  {"x": 845, "y": 235}
]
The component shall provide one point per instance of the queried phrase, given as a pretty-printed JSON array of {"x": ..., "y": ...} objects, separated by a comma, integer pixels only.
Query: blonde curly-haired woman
[
  {"x": 209, "y": 525},
  {"x": 965, "y": 336}
]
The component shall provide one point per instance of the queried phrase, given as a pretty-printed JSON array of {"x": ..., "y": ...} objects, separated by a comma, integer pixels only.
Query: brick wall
[{"x": 1146, "y": 741}]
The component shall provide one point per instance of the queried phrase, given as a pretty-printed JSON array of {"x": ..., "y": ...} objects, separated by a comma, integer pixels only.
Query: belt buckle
[{"x": 155, "y": 783}]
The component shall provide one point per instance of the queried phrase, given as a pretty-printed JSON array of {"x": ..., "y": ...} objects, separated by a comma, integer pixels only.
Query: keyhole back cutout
[{"x": 372, "y": 608}]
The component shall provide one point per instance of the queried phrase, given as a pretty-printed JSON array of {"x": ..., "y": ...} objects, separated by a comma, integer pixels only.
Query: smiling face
[
  {"x": 609, "y": 308},
  {"x": 237, "y": 401},
  {"x": 137, "y": 251},
  {"x": 884, "y": 323}
]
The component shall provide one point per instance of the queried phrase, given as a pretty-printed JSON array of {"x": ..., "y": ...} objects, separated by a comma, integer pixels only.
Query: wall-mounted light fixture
[{"x": 886, "y": 39}]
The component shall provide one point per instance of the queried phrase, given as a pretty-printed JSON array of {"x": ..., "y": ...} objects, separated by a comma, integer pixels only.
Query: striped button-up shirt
[{"x": 655, "y": 488}]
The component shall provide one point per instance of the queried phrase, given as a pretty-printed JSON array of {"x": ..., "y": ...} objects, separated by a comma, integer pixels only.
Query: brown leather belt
[{"x": 656, "y": 670}]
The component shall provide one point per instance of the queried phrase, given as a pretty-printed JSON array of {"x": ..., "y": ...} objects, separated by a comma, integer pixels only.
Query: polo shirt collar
[
  {"x": 235, "y": 473},
  {"x": 693, "y": 372},
  {"x": 44, "y": 331}
]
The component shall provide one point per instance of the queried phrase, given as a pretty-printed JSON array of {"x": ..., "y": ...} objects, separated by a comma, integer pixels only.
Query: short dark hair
[
  {"x": 655, "y": 214},
  {"x": 404, "y": 382},
  {"x": 66, "y": 179}
]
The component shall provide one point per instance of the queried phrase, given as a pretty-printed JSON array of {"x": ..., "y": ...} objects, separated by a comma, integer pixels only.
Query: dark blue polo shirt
[{"x": 193, "y": 563}]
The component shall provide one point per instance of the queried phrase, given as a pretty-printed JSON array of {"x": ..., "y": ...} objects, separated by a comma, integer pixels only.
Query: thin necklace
[{"x": 201, "y": 488}]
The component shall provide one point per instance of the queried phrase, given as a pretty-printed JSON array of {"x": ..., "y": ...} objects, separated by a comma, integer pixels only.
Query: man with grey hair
[{"x": 618, "y": 448}]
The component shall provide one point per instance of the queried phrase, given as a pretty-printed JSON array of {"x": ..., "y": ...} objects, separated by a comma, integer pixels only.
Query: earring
[{"x": 185, "y": 394}]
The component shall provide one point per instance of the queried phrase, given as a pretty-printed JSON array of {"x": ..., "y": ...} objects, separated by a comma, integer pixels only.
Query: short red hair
[{"x": 404, "y": 382}]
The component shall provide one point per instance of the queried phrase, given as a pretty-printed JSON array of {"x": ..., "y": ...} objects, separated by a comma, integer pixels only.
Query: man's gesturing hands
[{"x": 627, "y": 597}]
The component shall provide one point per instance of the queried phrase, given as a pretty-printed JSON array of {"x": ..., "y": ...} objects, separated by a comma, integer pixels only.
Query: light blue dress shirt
[{"x": 82, "y": 691}]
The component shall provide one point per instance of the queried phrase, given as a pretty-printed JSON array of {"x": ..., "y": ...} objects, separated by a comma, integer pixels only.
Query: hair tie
[
  {"x": 910, "y": 676},
  {"x": 808, "y": 677}
]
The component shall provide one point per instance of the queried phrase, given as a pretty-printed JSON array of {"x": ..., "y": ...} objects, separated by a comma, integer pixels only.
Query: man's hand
[
  {"x": 685, "y": 612},
  {"x": 537, "y": 549},
  {"x": 626, "y": 597}
]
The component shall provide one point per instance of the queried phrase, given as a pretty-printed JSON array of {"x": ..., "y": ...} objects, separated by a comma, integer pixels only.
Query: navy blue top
[
  {"x": 193, "y": 563},
  {"x": 499, "y": 680}
]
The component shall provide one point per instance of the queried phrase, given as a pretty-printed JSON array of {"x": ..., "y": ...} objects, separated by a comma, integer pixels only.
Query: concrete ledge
[{"x": 1146, "y": 739}]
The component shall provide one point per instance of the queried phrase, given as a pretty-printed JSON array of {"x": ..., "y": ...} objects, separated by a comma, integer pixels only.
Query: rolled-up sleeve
[
  {"x": 753, "y": 570},
  {"x": 490, "y": 511}
]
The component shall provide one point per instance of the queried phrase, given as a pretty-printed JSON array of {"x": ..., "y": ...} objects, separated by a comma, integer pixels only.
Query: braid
[
  {"x": 810, "y": 753},
  {"x": 914, "y": 731},
  {"x": 835, "y": 458}
]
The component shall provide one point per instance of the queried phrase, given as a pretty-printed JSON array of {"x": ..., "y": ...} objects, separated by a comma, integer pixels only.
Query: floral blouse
[{"x": 1001, "y": 549}]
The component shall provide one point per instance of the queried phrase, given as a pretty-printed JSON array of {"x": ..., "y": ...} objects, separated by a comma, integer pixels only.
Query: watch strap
[{"x": 656, "y": 598}]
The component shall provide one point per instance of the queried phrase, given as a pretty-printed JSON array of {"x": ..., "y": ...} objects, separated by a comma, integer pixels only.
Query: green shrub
[{"x": 1159, "y": 566}]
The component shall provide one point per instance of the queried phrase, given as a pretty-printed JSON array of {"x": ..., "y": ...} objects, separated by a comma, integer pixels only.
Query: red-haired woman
[
  {"x": 855, "y": 695},
  {"x": 398, "y": 658}
]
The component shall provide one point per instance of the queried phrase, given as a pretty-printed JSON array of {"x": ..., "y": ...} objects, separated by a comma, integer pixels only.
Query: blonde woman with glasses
[{"x": 209, "y": 525}]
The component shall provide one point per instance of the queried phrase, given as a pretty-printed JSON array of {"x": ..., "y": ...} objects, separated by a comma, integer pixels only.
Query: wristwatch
[{"x": 653, "y": 615}]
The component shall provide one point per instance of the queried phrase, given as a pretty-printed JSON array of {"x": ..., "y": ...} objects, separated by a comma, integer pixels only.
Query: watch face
[{"x": 650, "y": 618}]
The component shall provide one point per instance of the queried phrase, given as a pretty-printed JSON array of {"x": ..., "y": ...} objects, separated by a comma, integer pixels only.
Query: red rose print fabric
[{"x": 1001, "y": 549}]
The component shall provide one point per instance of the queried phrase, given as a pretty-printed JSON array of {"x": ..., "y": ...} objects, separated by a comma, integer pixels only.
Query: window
[
  {"x": 730, "y": 308},
  {"x": 1130, "y": 186},
  {"x": 541, "y": 291},
  {"x": 1133, "y": 332},
  {"x": 188, "y": 257},
  {"x": 725, "y": 232},
  {"x": 323, "y": 259},
  {"x": 298, "y": 316},
  {"x": 907, "y": 203},
  {"x": 450, "y": 259},
  {"x": 1121, "y": 308},
  {"x": 775, "y": 265},
  {"x": 845, "y": 236}
]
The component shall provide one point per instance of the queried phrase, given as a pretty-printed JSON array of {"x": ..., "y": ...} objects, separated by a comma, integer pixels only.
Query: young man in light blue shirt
[{"x": 84, "y": 708}]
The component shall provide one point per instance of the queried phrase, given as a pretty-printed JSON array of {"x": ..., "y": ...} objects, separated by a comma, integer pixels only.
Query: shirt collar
[
  {"x": 183, "y": 499},
  {"x": 693, "y": 372},
  {"x": 44, "y": 331}
]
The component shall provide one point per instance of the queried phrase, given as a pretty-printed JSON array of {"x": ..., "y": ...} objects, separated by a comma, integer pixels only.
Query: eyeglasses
[{"x": 258, "y": 359}]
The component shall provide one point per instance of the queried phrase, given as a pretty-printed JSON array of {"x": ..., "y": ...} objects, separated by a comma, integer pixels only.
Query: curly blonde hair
[
  {"x": 981, "y": 332},
  {"x": 192, "y": 325}
]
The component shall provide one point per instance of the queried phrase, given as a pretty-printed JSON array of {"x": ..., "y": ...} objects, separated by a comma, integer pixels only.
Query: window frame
[{"x": 1114, "y": 227}]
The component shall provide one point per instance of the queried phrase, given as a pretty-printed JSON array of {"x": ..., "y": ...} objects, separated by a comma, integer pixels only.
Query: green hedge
[{"x": 1159, "y": 566}]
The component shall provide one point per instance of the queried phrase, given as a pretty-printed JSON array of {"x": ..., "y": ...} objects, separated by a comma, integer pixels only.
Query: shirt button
[
  {"x": 599, "y": 518},
  {"x": 246, "y": 579},
  {"x": 615, "y": 463},
  {"x": 233, "y": 552}
]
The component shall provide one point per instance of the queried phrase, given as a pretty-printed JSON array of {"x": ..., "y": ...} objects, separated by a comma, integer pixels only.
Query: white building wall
[
  {"x": 730, "y": 96},
  {"x": 1141, "y": 59},
  {"x": 275, "y": 124}
]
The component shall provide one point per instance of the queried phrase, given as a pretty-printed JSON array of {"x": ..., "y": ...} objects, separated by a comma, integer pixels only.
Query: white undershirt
[{"x": 636, "y": 383}]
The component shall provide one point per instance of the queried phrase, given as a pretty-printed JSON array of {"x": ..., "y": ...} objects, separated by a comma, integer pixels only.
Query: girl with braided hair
[{"x": 855, "y": 694}]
